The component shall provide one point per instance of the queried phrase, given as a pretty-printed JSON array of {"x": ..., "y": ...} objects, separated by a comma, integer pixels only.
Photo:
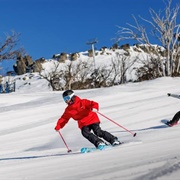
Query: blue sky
[{"x": 49, "y": 27}]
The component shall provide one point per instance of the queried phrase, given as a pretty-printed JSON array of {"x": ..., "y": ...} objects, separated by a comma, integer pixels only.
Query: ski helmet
[{"x": 68, "y": 95}]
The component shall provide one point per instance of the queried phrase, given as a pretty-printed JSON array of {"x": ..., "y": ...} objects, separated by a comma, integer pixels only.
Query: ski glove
[
  {"x": 94, "y": 110},
  {"x": 57, "y": 128},
  {"x": 168, "y": 94}
]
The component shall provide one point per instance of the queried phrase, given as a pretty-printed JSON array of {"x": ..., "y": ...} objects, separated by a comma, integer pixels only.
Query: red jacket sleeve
[
  {"x": 62, "y": 121},
  {"x": 91, "y": 104},
  {"x": 95, "y": 105}
]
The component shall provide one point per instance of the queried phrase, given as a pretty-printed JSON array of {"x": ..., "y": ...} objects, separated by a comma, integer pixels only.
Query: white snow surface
[{"x": 32, "y": 150}]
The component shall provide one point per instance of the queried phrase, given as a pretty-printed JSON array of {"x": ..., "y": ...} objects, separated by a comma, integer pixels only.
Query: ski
[
  {"x": 92, "y": 149},
  {"x": 108, "y": 147}
]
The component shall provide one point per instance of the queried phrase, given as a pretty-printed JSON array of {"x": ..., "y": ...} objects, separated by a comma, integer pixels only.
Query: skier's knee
[
  {"x": 86, "y": 135},
  {"x": 99, "y": 133}
]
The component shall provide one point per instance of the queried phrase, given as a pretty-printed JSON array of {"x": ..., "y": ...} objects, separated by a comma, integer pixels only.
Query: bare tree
[
  {"x": 72, "y": 75},
  {"x": 101, "y": 77},
  {"x": 121, "y": 64},
  {"x": 151, "y": 69},
  {"x": 81, "y": 72},
  {"x": 9, "y": 49},
  {"x": 164, "y": 28},
  {"x": 69, "y": 75},
  {"x": 53, "y": 75}
]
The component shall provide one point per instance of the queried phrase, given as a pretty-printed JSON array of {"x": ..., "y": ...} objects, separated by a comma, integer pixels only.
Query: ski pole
[
  {"x": 134, "y": 134},
  {"x": 69, "y": 150}
]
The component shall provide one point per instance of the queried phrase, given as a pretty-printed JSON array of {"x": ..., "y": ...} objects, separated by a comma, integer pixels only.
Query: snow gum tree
[
  {"x": 165, "y": 29},
  {"x": 9, "y": 47}
]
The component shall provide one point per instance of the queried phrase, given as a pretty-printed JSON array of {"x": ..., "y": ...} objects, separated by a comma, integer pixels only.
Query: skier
[
  {"x": 176, "y": 117},
  {"x": 84, "y": 112}
]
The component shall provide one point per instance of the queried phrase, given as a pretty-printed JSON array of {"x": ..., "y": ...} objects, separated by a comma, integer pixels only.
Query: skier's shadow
[
  {"x": 153, "y": 127},
  {"x": 156, "y": 127},
  {"x": 40, "y": 156}
]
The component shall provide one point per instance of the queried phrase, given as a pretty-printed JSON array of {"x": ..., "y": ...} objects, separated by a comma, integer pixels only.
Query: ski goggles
[{"x": 68, "y": 98}]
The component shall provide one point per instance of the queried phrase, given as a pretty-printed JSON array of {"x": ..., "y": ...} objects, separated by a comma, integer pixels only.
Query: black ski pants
[{"x": 95, "y": 138}]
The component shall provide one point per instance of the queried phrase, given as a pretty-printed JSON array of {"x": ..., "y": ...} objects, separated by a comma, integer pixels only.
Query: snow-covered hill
[
  {"x": 114, "y": 63},
  {"x": 31, "y": 149}
]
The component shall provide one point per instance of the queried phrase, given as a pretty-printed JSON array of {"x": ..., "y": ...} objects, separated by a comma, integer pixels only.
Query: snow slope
[{"x": 32, "y": 150}]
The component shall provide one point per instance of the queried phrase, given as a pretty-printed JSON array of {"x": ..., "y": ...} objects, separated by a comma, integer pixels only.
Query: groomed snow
[{"x": 32, "y": 150}]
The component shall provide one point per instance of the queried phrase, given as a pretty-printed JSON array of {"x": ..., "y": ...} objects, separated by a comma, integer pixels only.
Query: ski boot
[
  {"x": 115, "y": 142},
  {"x": 170, "y": 124},
  {"x": 101, "y": 145}
]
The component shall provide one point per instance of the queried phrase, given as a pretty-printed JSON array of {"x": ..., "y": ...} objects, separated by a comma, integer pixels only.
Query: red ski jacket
[{"x": 80, "y": 111}]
